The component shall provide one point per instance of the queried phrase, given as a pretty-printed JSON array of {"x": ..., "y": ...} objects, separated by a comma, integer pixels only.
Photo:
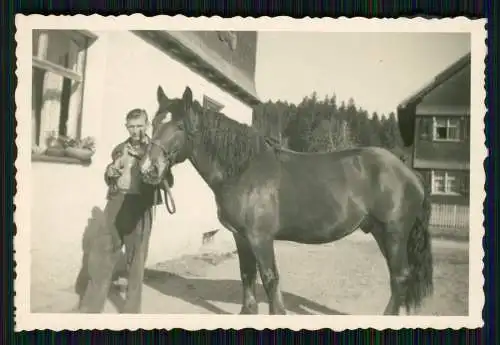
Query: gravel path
[{"x": 345, "y": 277}]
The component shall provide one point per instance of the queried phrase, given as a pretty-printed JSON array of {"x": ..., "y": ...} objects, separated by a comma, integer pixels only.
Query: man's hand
[
  {"x": 113, "y": 172},
  {"x": 136, "y": 152}
]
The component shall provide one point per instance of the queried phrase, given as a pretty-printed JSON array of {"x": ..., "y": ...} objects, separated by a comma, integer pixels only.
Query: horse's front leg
[
  {"x": 263, "y": 249},
  {"x": 248, "y": 271}
]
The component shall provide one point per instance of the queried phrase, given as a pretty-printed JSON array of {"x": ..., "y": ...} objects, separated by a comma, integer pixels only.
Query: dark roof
[
  {"x": 437, "y": 80},
  {"x": 406, "y": 110},
  {"x": 206, "y": 54}
]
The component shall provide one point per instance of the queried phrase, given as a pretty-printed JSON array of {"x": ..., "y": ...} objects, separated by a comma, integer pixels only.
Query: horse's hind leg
[
  {"x": 248, "y": 271},
  {"x": 263, "y": 249},
  {"x": 391, "y": 239}
]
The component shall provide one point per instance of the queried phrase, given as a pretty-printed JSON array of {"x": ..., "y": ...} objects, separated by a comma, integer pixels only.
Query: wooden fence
[{"x": 450, "y": 216}]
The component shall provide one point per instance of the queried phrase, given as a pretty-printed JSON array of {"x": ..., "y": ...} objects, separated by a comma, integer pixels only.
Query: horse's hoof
[
  {"x": 130, "y": 310},
  {"x": 75, "y": 309},
  {"x": 248, "y": 311},
  {"x": 277, "y": 312}
]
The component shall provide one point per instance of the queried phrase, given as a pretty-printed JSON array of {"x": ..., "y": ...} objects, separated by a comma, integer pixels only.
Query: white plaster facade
[{"x": 122, "y": 72}]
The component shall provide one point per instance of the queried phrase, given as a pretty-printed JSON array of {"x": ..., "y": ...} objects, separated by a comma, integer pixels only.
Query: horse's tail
[{"x": 420, "y": 282}]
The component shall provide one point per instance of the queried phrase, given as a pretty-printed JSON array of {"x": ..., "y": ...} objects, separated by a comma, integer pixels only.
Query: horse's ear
[
  {"x": 187, "y": 98},
  {"x": 160, "y": 95}
]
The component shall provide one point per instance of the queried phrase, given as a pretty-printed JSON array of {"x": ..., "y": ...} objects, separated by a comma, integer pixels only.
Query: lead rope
[
  {"x": 168, "y": 196},
  {"x": 155, "y": 200}
]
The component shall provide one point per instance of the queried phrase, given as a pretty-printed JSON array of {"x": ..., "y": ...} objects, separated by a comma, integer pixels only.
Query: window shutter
[
  {"x": 464, "y": 128},
  {"x": 464, "y": 190},
  {"x": 425, "y": 129}
]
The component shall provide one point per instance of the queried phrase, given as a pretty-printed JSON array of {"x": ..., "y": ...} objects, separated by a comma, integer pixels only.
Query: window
[
  {"x": 446, "y": 129},
  {"x": 211, "y": 104},
  {"x": 449, "y": 183},
  {"x": 58, "y": 64}
]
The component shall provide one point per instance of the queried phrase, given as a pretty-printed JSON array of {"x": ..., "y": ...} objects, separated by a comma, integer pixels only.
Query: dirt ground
[{"x": 345, "y": 277}]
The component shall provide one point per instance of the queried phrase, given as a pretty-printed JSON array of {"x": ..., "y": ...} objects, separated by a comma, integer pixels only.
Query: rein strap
[
  {"x": 168, "y": 196},
  {"x": 169, "y": 199}
]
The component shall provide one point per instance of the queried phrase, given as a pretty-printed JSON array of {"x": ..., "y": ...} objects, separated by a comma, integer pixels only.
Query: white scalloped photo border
[{"x": 25, "y": 320}]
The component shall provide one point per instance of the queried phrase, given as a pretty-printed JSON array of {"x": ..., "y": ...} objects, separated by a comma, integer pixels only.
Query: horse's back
[
  {"x": 391, "y": 162},
  {"x": 320, "y": 197},
  {"x": 369, "y": 164},
  {"x": 371, "y": 178},
  {"x": 397, "y": 187},
  {"x": 339, "y": 161}
]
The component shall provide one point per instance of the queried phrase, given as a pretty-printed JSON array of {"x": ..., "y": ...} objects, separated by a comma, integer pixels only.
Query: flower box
[
  {"x": 82, "y": 154},
  {"x": 55, "y": 151},
  {"x": 64, "y": 146}
]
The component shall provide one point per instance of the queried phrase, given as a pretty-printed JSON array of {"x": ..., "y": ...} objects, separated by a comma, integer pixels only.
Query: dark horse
[{"x": 266, "y": 193}]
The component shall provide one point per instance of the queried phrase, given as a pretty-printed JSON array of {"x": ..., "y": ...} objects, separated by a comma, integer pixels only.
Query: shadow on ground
[
  {"x": 199, "y": 292},
  {"x": 92, "y": 235}
]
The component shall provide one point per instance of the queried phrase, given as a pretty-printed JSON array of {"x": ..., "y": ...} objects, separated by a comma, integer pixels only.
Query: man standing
[{"x": 128, "y": 220}]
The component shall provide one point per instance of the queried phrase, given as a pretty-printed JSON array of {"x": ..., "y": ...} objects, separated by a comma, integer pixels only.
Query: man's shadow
[
  {"x": 199, "y": 292},
  {"x": 90, "y": 236}
]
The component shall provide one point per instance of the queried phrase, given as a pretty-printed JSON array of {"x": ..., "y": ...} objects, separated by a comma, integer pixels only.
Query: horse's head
[{"x": 172, "y": 126}]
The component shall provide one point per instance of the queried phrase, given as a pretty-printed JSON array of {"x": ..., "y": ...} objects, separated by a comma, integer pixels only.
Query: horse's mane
[{"x": 231, "y": 143}]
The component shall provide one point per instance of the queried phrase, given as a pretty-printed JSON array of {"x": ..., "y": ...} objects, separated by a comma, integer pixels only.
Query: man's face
[{"x": 136, "y": 128}]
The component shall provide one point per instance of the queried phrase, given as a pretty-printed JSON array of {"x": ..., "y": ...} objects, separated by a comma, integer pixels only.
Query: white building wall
[{"x": 123, "y": 72}]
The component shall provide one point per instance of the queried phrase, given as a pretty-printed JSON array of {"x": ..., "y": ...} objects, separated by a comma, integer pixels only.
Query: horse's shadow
[
  {"x": 199, "y": 292},
  {"x": 196, "y": 291}
]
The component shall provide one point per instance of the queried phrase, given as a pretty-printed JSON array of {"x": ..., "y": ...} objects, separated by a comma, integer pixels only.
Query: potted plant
[
  {"x": 55, "y": 146},
  {"x": 82, "y": 149},
  {"x": 37, "y": 150}
]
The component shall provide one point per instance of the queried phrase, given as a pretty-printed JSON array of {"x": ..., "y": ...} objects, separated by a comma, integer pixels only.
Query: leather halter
[
  {"x": 168, "y": 193},
  {"x": 159, "y": 145},
  {"x": 166, "y": 154}
]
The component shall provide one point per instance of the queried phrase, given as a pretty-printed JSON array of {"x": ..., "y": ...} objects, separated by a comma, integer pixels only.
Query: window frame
[
  {"x": 447, "y": 176},
  {"x": 447, "y": 126},
  {"x": 82, "y": 39}
]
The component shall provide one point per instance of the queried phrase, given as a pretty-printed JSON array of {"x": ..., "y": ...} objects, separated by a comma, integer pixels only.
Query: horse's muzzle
[{"x": 151, "y": 175}]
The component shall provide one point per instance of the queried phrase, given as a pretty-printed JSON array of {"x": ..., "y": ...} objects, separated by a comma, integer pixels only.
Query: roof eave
[
  {"x": 178, "y": 47},
  {"x": 406, "y": 110},
  {"x": 436, "y": 81}
]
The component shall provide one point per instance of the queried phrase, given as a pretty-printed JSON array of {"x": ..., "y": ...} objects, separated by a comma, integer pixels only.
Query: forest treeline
[{"x": 317, "y": 125}]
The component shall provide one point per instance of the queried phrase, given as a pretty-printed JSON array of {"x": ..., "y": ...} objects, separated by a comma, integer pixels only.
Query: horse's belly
[
  {"x": 321, "y": 210},
  {"x": 315, "y": 228},
  {"x": 313, "y": 235}
]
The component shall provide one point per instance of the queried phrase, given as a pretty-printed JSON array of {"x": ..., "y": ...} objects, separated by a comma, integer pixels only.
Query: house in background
[
  {"x": 435, "y": 122},
  {"x": 83, "y": 84}
]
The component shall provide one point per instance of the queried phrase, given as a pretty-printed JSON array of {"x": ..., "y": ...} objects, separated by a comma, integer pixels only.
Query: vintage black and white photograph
[{"x": 203, "y": 172}]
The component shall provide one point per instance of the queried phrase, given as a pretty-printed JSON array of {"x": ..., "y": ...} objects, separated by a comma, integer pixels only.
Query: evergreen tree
[
  {"x": 323, "y": 125},
  {"x": 365, "y": 128},
  {"x": 353, "y": 121},
  {"x": 375, "y": 130},
  {"x": 329, "y": 136},
  {"x": 394, "y": 129}
]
